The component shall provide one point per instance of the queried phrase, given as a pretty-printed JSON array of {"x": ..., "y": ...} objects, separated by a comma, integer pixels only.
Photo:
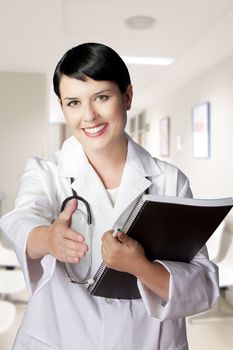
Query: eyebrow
[
  {"x": 70, "y": 98},
  {"x": 102, "y": 91},
  {"x": 96, "y": 93}
]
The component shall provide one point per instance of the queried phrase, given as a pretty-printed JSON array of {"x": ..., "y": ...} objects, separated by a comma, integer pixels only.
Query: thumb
[
  {"x": 122, "y": 237},
  {"x": 70, "y": 208}
]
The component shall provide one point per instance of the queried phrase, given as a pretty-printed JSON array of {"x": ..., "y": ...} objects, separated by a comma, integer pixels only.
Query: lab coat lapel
[
  {"x": 140, "y": 167},
  {"x": 133, "y": 184}
]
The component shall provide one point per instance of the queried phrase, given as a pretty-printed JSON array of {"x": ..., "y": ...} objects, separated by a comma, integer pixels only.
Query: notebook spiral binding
[{"x": 133, "y": 215}]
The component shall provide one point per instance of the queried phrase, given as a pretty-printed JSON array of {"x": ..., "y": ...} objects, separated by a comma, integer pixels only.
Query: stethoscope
[{"x": 88, "y": 219}]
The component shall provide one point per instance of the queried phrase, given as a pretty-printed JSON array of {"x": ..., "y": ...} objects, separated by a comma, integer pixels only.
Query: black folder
[{"x": 168, "y": 228}]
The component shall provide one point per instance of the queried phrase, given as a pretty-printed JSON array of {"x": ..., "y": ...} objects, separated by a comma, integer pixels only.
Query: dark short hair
[{"x": 93, "y": 60}]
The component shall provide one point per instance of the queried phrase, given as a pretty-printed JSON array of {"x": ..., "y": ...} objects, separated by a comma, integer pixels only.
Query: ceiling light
[
  {"x": 140, "y": 22},
  {"x": 159, "y": 61}
]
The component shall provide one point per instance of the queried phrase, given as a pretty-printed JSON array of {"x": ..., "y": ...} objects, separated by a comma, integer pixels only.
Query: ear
[{"x": 128, "y": 97}]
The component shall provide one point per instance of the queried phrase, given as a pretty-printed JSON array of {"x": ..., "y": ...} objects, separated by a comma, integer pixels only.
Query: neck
[{"x": 109, "y": 164}]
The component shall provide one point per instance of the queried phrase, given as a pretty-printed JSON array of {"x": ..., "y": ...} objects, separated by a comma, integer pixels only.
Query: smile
[{"x": 96, "y": 130}]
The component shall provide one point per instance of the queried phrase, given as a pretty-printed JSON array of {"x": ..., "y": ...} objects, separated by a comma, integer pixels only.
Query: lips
[{"x": 96, "y": 130}]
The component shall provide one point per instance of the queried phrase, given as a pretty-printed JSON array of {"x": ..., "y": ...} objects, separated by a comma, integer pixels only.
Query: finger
[
  {"x": 109, "y": 242},
  {"x": 76, "y": 247},
  {"x": 122, "y": 237},
  {"x": 74, "y": 236},
  {"x": 69, "y": 209},
  {"x": 70, "y": 253},
  {"x": 74, "y": 254},
  {"x": 104, "y": 253},
  {"x": 72, "y": 260},
  {"x": 108, "y": 237},
  {"x": 105, "y": 245}
]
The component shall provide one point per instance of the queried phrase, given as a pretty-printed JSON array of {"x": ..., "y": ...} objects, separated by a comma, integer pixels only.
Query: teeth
[{"x": 94, "y": 130}]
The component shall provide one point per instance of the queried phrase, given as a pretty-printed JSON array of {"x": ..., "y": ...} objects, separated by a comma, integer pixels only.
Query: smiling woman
[
  {"x": 95, "y": 93},
  {"x": 95, "y": 96}
]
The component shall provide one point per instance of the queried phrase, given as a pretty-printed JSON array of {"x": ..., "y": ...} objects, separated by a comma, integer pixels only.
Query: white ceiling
[{"x": 196, "y": 33}]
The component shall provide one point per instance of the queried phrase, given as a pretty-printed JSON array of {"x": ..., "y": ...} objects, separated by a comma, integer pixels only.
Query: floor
[
  {"x": 7, "y": 339},
  {"x": 212, "y": 329},
  {"x": 207, "y": 331}
]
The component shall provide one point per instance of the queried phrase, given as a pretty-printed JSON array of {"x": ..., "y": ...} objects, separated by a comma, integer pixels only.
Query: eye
[
  {"x": 102, "y": 98},
  {"x": 73, "y": 103}
]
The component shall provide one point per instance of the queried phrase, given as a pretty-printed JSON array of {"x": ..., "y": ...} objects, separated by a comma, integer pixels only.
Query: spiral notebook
[{"x": 168, "y": 228}]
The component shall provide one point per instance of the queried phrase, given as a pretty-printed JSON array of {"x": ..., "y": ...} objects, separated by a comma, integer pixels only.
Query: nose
[{"x": 89, "y": 113}]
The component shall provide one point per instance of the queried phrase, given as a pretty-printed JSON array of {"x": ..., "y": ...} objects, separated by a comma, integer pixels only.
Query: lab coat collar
[
  {"x": 138, "y": 170},
  {"x": 73, "y": 160}
]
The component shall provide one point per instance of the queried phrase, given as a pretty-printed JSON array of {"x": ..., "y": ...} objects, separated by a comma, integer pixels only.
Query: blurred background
[{"x": 180, "y": 56}]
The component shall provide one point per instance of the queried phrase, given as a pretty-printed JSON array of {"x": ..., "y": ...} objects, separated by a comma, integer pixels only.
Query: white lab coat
[{"x": 61, "y": 315}]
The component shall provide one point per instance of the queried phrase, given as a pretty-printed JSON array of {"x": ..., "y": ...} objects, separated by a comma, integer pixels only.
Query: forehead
[{"x": 74, "y": 87}]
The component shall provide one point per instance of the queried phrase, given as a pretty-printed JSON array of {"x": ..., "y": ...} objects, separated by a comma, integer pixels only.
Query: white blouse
[{"x": 113, "y": 192}]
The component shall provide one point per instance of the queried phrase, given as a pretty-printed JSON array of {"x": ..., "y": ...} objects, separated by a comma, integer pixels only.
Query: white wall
[
  {"x": 210, "y": 177},
  {"x": 24, "y": 128}
]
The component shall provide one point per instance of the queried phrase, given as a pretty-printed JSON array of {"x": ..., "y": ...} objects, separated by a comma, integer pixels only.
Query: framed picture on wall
[
  {"x": 164, "y": 134},
  {"x": 201, "y": 130}
]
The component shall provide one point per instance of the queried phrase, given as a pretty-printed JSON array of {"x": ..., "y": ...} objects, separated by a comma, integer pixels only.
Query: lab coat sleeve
[
  {"x": 32, "y": 209},
  {"x": 193, "y": 286}
]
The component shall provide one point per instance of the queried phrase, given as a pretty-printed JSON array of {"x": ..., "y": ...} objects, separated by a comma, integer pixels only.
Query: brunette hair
[{"x": 93, "y": 60}]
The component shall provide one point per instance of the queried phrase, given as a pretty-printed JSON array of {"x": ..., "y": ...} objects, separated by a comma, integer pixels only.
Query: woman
[{"x": 110, "y": 171}]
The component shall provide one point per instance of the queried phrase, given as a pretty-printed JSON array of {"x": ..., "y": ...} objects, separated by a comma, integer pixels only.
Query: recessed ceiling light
[
  {"x": 140, "y": 22},
  {"x": 159, "y": 61}
]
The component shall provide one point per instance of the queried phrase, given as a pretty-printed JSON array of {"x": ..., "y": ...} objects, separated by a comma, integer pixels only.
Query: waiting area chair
[
  {"x": 11, "y": 283},
  {"x": 8, "y": 257},
  {"x": 7, "y": 315},
  {"x": 11, "y": 277}
]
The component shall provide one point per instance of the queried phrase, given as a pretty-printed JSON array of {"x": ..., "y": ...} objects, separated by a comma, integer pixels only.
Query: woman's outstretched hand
[{"x": 58, "y": 239}]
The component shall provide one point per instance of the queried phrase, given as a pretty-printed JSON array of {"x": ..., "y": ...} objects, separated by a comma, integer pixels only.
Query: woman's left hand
[
  {"x": 127, "y": 255},
  {"x": 122, "y": 253}
]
